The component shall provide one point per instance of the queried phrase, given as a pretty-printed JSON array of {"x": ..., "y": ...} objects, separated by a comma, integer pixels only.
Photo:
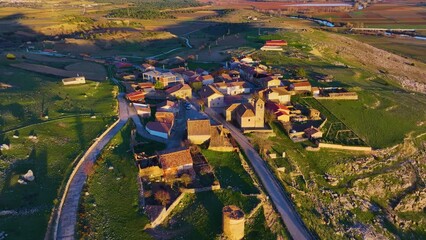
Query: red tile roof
[
  {"x": 276, "y": 43},
  {"x": 175, "y": 159},
  {"x": 302, "y": 84},
  {"x": 135, "y": 96}
]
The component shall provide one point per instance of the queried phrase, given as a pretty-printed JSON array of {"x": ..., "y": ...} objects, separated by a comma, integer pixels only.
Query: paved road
[
  {"x": 280, "y": 199},
  {"x": 67, "y": 213}
]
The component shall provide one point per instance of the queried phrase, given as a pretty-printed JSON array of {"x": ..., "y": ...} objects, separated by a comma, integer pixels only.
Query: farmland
[{"x": 390, "y": 14}]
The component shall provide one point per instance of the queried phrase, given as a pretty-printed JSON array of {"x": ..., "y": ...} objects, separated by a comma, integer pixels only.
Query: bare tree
[
  {"x": 163, "y": 197},
  {"x": 186, "y": 179}
]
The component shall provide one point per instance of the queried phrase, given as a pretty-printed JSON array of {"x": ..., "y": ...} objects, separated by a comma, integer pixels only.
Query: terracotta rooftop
[
  {"x": 302, "y": 84},
  {"x": 165, "y": 117},
  {"x": 175, "y": 158},
  {"x": 198, "y": 127}
]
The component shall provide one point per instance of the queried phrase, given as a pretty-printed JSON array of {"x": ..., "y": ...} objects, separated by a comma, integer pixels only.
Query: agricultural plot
[
  {"x": 335, "y": 131},
  {"x": 391, "y": 14}
]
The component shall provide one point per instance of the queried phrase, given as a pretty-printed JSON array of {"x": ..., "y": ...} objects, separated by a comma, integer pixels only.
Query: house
[
  {"x": 198, "y": 130},
  {"x": 219, "y": 140},
  {"x": 201, "y": 72},
  {"x": 313, "y": 133},
  {"x": 281, "y": 112},
  {"x": 136, "y": 96},
  {"x": 188, "y": 75},
  {"x": 212, "y": 96},
  {"x": 74, "y": 80},
  {"x": 269, "y": 82},
  {"x": 143, "y": 110},
  {"x": 274, "y": 45},
  {"x": 278, "y": 94},
  {"x": 249, "y": 73},
  {"x": 247, "y": 115},
  {"x": 232, "y": 88},
  {"x": 301, "y": 86},
  {"x": 158, "y": 129},
  {"x": 176, "y": 161},
  {"x": 315, "y": 91},
  {"x": 162, "y": 126},
  {"x": 165, "y": 117},
  {"x": 168, "y": 106},
  {"x": 145, "y": 67},
  {"x": 164, "y": 78},
  {"x": 145, "y": 87},
  {"x": 224, "y": 77},
  {"x": 180, "y": 91},
  {"x": 314, "y": 114},
  {"x": 205, "y": 79}
]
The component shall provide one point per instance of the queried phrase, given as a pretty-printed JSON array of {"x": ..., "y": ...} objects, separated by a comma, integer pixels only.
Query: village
[
  {"x": 174, "y": 104},
  {"x": 211, "y": 120}
]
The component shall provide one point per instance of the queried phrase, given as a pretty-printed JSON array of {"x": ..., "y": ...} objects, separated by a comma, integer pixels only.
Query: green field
[
  {"x": 230, "y": 172},
  {"x": 382, "y": 119},
  {"x": 335, "y": 131},
  {"x": 51, "y": 159},
  {"x": 34, "y": 95},
  {"x": 110, "y": 210}
]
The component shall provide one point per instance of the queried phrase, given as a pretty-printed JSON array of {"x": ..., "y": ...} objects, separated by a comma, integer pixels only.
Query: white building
[{"x": 74, "y": 80}]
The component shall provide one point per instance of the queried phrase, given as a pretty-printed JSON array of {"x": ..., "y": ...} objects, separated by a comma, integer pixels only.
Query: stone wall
[
  {"x": 165, "y": 213},
  {"x": 342, "y": 147}
]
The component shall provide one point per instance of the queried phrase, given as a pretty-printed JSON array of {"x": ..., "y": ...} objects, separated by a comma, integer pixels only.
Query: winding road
[
  {"x": 283, "y": 204},
  {"x": 67, "y": 212}
]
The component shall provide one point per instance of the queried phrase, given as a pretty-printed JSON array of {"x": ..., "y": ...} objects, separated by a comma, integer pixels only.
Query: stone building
[
  {"x": 233, "y": 222},
  {"x": 198, "y": 130},
  {"x": 247, "y": 115}
]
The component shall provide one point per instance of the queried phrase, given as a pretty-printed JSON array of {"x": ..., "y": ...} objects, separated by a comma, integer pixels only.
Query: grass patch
[
  {"x": 201, "y": 216},
  {"x": 110, "y": 211},
  {"x": 50, "y": 158},
  {"x": 257, "y": 229},
  {"x": 34, "y": 95},
  {"x": 383, "y": 119},
  {"x": 230, "y": 172}
]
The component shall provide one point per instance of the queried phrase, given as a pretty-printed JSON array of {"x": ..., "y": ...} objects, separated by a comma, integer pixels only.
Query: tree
[
  {"x": 270, "y": 116},
  {"x": 158, "y": 85},
  {"x": 186, "y": 179},
  {"x": 163, "y": 197},
  {"x": 301, "y": 73}
]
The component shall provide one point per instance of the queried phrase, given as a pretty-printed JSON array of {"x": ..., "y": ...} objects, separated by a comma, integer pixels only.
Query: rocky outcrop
[{"x": 415, "y": 202}]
